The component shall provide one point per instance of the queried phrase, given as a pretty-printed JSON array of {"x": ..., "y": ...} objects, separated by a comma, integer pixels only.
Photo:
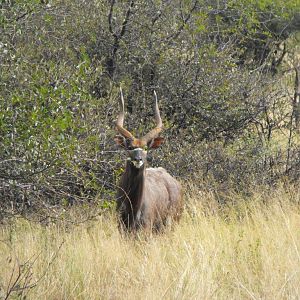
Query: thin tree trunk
[{"x": 296, "y": 99}]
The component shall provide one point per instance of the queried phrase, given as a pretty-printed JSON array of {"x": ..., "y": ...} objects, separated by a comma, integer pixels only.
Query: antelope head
[{"x": 137, "y": 147}]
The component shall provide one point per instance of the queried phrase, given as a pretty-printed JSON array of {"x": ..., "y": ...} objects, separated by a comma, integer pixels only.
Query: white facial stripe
[{"x": 137, "y": 164}]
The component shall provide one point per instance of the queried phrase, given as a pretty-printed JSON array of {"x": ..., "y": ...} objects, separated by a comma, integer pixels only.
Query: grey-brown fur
[{"x": 148, "y": 198}]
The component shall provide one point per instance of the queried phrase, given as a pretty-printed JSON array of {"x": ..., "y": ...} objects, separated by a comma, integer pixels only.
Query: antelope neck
[{"x": 134, "y": 185}]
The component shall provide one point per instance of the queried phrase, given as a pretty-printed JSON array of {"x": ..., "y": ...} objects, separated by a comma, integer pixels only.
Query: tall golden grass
[{"x": 249, "y": 249}]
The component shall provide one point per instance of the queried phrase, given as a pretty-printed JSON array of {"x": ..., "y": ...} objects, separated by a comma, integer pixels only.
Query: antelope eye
[{"x": 129, "y": 145}]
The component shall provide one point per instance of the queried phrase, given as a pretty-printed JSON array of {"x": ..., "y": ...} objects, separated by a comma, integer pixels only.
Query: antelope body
[{"x": 147, "y": 197}]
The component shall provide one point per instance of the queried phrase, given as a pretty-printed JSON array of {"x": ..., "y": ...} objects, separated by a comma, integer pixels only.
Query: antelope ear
[
  {"x": 120, "y": 140},
  {"x": 155, "y": 143}
]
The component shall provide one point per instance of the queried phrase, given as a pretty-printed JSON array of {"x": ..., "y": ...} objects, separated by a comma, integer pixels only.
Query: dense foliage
[{"x": 225, "y": 71}]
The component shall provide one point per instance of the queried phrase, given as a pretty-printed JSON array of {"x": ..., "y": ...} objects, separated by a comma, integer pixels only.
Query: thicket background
[{"x": 227, "y": 74}]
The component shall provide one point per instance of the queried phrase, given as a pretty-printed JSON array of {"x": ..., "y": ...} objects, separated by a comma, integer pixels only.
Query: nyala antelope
[{"x": 148, "y": 198}]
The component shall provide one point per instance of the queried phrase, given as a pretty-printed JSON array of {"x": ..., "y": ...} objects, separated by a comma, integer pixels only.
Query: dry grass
[{"x": 243, "y": 251}]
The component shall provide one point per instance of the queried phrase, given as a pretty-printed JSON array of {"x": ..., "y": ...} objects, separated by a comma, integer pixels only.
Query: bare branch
[{"x": 112, "y": 3}]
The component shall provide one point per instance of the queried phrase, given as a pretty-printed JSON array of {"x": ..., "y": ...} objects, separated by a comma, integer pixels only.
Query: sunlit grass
[{"x": 247, "y": 250}]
